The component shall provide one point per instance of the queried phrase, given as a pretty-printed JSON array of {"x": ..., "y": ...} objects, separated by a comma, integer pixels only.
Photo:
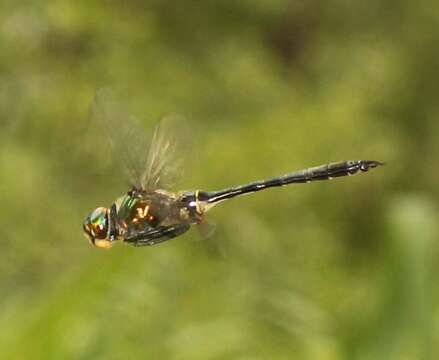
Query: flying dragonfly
[{"x": 148, "y": 213}]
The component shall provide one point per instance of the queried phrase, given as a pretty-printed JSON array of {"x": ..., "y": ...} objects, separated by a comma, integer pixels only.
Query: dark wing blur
[{"x": 149, "y": 163}]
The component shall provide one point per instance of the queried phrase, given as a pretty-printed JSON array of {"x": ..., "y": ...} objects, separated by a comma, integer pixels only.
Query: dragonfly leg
[{"x": 157, "y": 235}]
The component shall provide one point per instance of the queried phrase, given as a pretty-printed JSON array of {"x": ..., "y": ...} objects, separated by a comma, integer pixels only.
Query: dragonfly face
[{"x": 96, "y": 227}]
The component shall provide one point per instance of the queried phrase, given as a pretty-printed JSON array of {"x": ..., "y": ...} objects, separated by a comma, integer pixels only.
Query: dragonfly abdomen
[{"x": 323, "y": 172}]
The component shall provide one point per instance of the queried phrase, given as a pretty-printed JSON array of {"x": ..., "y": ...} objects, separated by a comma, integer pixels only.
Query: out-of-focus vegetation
[{"x": 335, "y": 270}]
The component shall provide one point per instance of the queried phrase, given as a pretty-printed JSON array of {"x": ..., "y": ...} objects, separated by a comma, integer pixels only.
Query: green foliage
[{"x": 334, "y": 270}]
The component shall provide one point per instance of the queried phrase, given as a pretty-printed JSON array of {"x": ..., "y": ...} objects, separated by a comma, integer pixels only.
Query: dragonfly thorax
[
  {"x": 136, "y": 211},
  {"x": 139, "y": 211}
]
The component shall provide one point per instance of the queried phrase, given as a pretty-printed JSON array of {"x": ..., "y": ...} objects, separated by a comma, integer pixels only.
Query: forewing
[
  {"x": 125, "y": 134},
  {"x": 164, "y": 157},
  {"x": 149, "y": 162}
]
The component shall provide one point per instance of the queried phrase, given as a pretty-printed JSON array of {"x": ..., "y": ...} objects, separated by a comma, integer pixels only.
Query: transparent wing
[
  {"x": 163, "y": 162},
  {"x": 149, "y": 162}
]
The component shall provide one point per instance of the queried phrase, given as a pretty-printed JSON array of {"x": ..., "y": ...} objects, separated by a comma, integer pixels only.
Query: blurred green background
[{"x": 345, "y": 269}]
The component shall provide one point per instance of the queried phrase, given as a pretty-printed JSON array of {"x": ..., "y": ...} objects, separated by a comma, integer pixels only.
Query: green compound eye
[{"x": 96, "y": 224}]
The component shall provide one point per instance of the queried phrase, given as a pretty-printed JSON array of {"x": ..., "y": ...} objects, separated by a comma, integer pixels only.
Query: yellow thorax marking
[{"x": 142, "y": 213}]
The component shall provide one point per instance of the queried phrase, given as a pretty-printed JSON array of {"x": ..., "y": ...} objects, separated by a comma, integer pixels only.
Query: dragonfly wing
[
  {"x": 125, "y": 133},
  {"x": 206, "y": 228},
  {"x": 150, "y": 162},
  {"x": 157, "y": 235},
  {"x": 164, "y": 161}
]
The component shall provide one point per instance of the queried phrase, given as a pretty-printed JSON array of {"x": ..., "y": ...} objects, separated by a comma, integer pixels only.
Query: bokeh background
[{"x": 346, "y": 269}]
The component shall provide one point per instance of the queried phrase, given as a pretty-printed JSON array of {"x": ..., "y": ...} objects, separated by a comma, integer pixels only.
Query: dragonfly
[{"x": 149, "y": 213}]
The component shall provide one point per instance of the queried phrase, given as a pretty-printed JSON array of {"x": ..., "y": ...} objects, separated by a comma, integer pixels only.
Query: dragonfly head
[{"x": 96, "y": 228}]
